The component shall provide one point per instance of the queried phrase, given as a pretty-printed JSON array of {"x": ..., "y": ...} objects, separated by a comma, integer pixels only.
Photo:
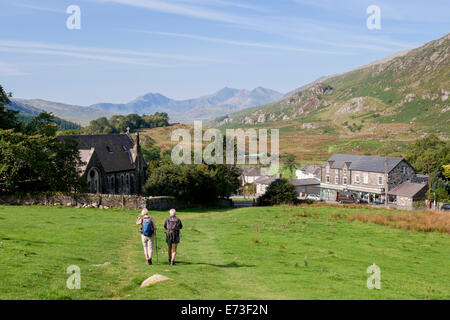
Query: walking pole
[{"x": 156, "y": 245}]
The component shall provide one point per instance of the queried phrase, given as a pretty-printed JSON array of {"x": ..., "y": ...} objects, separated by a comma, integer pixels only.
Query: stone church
[{"x": 113, "y": 163}]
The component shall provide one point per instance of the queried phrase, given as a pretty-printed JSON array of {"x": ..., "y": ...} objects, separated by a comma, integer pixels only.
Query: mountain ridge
[
  {"x": 409, "y": 89},
  {"x": 202, "y": 108}
]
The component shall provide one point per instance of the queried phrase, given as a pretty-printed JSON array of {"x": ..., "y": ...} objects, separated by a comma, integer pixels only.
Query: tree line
[
  {"x": 434, "y": 153},
  {"x": 123, "y": 123},
  {"x": 32, "y": 158}
]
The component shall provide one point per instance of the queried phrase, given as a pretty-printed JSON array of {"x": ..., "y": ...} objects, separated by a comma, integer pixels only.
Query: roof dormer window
[{"x": 108, "y": 148}]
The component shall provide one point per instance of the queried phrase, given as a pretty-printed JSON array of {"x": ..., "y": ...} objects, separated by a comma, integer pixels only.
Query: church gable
[{"x": 113, "y": 163}]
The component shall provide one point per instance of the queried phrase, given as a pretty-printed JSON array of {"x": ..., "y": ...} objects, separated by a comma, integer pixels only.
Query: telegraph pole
[{"x": 386, "y": 181}]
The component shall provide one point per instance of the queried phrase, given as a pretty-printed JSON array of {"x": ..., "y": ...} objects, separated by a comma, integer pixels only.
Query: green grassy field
[{"x": 248, "y": 253}]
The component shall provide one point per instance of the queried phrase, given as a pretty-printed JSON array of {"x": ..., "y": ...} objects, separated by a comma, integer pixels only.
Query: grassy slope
[
  {"x": 388, "y": 121},
  {"x": 248, "y": 253}
]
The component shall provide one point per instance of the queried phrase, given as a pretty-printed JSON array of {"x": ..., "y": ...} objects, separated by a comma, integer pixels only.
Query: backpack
[
  {"x": 173, "y": 228},
  {"x": 173, "y": 224},
  {"x": 147, "y": 227}
]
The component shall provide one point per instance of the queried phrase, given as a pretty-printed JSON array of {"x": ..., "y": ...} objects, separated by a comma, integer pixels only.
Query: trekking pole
[{"x": 156, "y": 245}]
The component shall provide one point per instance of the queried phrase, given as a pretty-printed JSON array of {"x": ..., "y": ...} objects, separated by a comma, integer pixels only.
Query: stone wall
[{"x": 104, "y": 201}]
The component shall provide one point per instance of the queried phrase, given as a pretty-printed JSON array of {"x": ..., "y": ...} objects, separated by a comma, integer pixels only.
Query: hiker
[
  {"x": 172, "y": 225},
  {"x": 148, "y": 229}
]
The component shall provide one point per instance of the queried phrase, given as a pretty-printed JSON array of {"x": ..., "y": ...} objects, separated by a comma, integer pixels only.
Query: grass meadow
[{"x": 314, "y": 252}]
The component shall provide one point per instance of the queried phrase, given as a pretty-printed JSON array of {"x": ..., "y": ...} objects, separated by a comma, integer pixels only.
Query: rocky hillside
[{"x": 409, "y": 88}]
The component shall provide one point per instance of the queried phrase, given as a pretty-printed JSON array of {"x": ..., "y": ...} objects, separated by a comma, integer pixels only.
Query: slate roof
[
  {"x": 364, "y": 163},
  {"x": 266, "y": 180},
  {"x": 113, "y": 150},
  {"x": 311, "y": 169},
  {"x": 407, "y": 189},
  {"x": 304, "y": 182},
  {"x": 251, "y": 172}
]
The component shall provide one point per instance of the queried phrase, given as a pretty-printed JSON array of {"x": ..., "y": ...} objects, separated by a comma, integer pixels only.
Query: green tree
[
  {"x": 7, "y": 117},
  {"x": 196, "y": 184},
  {"x": 150, "y": 150},
  {"x": 36, "y": 163},
  {"x": 41, "y": 124},
  {"x": 281, "y": 191},
  {"x": 431, "y": 151},
  {"x": 289, "y": 163}
]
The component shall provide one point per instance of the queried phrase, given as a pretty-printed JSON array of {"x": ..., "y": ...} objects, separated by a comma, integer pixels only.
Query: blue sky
[{"x": 189, "y": 48}]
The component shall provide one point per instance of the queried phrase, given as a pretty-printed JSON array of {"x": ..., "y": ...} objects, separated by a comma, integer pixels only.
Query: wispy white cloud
[
  {"x": 103, "y": 58},
  {"x": 223, "y": 3},
  {"x": 7, "y": 70},
  {"x": 180, "y": 9},
  {"x": 99, "y": 54},
  {"x": 243, "y": 43},
  {"x": 39, "y": 7}
]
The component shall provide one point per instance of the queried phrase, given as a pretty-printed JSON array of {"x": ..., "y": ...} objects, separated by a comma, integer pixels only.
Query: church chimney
[{"x": 138, "y": 144}]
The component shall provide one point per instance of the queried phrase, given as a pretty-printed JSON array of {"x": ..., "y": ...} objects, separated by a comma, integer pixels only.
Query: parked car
[
  {"x": 346, "y": 197},
  {"x": 446, "y": 207},
  {"x": 314, "y": 197}
]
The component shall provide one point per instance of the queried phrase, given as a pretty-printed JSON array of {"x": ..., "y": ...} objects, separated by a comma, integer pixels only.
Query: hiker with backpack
[
  {"x": 148, "y": 229},
  {"x": 172, "y": 225}
]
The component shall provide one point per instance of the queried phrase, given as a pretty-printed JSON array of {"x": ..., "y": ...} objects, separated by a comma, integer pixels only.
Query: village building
[
  {"x": 262, "y": 183},
  {"x": 311, "y": 171},
  {"x": 369, "y": 177},
  {"x": 303, "y": 187},
  {"x": 112, "y": 163},
  {"x": 405, "y": 194},
  {"x": 250, "y": 174}
]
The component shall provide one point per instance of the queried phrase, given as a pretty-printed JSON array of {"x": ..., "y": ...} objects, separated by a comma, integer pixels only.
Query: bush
[
  {"x": 196, "y": 184},
  {"x": 281, "y": 191}
]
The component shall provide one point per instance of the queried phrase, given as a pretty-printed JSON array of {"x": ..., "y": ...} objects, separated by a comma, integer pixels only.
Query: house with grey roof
[
  {"x": 262, "y": 183},
  {"x": 250, "y": 174},
  {"x": 405, "y": 194},
  {"x": 369, "y": 177},
  {"x": 311, "y": 171},
  {"x": 112, "y": 163}
]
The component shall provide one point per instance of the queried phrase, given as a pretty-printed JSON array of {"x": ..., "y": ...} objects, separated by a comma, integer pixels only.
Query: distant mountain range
[
  {"x": 203, "y": 108},
  {"x": 405, "y": 93},
  {"x": 28, "y": 112}
]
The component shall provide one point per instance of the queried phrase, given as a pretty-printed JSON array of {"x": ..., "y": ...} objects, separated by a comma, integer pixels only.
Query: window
[
  {"x": 336, "y": 171},
  {"x": 328, "y": 169},
  {"x": 404, "y": 170},
  {"x": 345, "y": 171},
  {"x": 328, "y": 179},
  {"x": 336, "y": 180},
  {"x": 345, "y": 180},
  {"x": 366, "y": 178},
  {"x": 124, "y": 148},
  {"x": 380, "y": 180},
  {"x": 357, "y": 178}
]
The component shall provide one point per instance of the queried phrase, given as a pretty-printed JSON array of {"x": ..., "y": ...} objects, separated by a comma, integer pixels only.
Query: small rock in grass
[
  {"x": 101, "y": 265},
  {"x": 154, "y": 279}
]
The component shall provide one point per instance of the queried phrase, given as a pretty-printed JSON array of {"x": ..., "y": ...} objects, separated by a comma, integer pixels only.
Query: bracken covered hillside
[{"x": 408, "y": 92}]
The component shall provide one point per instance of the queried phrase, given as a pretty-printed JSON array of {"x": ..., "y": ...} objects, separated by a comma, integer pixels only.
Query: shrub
[
  {"x": 281, "y": 191},
  {"x": 195, "y": 184}
]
